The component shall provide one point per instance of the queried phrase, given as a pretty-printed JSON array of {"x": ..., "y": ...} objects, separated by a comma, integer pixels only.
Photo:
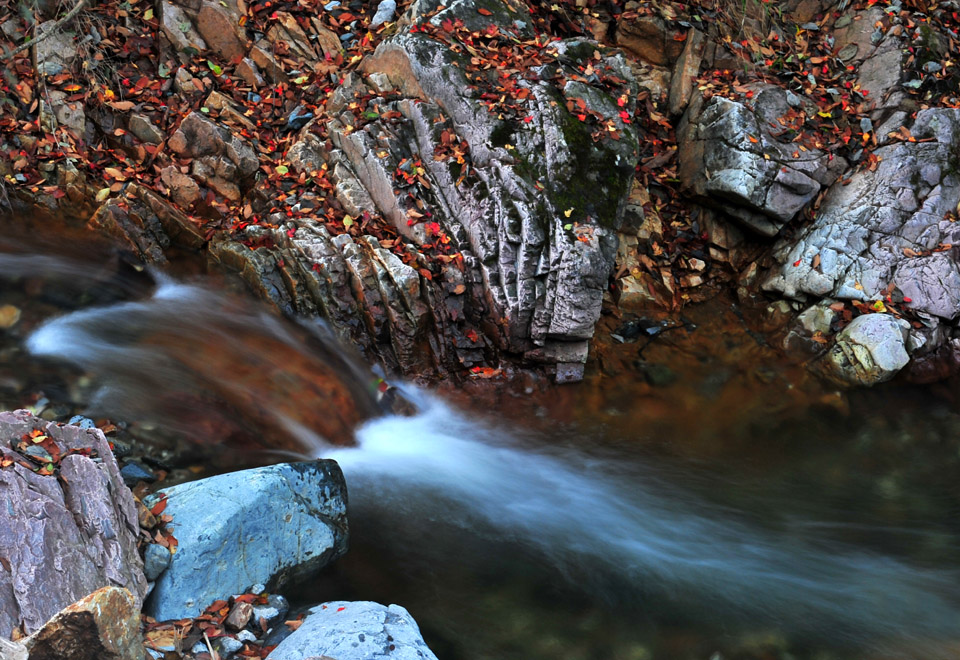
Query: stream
[{"x": 529, "y": 532}]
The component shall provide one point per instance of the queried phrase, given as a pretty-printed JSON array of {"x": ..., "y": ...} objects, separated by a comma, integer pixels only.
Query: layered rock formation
[{"x": 68, "y": 525}]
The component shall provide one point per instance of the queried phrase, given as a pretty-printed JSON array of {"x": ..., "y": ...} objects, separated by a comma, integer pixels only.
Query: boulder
[
  {"x": 650, "y": 39},
  {"x": 355, "y": 631},
  {"x": 65, "y": 535},
  {"x": 533, "y": 199},
  {"x": 222, "y": 160},
  {"x": 890, "y": 225},
  {"x": 103, "y": 626},
  {"x": 871, "y": 350},
  {"x": 262, "y": 526},
  {"x": 729, "y": 159}
]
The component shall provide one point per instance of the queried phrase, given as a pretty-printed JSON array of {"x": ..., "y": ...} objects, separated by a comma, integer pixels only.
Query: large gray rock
[
  {"x": 729, "y": 159},
  {"x": 891, "y": 225},
  {"x": 871, "y": 350},
  {"x": 533, "y": 204},
  {"x": 62, "y": 537},
  {"x": 355, "y": 631},
  {"x": 262, "y": 526}
]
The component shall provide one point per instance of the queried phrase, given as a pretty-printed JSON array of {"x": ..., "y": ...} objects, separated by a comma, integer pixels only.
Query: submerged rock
[
  {"x": 62, "y": 538},
  {"x": 355, "y": 631},
  {"x": 263, "y": 526}
]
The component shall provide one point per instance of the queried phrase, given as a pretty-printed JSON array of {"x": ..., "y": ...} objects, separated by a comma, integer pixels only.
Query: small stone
[
  {"x": 239, "y": 616},
  {"x": 184, "y": 191},
  {"x": 82, "y": 422},
  {"x": 134, "y": 472},
  {"x": 156, "y": 558},
  {"x": 228, "y": 645},
  {"x": 246, "y": 636},
  {"x": 385, "y": 12},
  {"x": 9, "y": 316},
  {"x": 144, "y": 129},
  {"x": 248, "y": 71}
]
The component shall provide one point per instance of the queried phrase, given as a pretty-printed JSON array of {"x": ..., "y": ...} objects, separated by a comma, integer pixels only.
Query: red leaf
[{"x": 159, "y": 507}]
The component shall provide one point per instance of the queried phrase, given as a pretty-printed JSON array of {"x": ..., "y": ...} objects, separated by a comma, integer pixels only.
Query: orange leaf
[{"x": 484, "y": 11}]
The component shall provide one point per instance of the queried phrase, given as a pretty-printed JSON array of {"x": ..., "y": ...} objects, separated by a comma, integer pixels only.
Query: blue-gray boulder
[
  {"x": 261, "y": 526},
  {"x": 355, "y": 631}
]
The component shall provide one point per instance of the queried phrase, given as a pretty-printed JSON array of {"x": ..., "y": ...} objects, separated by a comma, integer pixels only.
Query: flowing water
[{"x": 537, "y": 540}]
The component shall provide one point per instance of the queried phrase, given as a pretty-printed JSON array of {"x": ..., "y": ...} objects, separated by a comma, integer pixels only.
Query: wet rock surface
[{"x": 62, "y": 536}]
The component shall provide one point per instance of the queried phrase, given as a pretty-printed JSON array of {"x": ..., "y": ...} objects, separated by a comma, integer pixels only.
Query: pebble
[
  {"x": 156, "y": 558},
  {"x": 246, "y": 636},
  {"x": 228, "y": 645},
  {"x": 9, "y": 316},
  {"x": 134, "y": 473},
  {"x": 82, "y": 422},
  {"x": 276, "y": 607}
]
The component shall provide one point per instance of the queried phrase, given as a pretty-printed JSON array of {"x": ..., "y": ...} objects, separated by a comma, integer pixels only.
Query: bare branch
[{"x": 56, "y": 26}]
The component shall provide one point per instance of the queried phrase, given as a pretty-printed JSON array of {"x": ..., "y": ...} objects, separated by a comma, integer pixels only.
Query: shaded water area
[{"x": 696, "y": 497}]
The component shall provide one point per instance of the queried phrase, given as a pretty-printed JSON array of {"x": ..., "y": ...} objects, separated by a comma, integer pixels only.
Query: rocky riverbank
[{"x": 448, "y": 185}]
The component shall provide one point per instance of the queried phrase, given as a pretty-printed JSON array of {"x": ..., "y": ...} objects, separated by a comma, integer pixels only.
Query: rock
[
  {"x": 227, "y": 646},
  {"x": 386, "y": 10},
  {"x": 228, "y": 111},
  {"x": 55, "y": 53},
  {"x": 649, "y": 38},
  {"x": 103, "y": 626},
  {"x": 880, "y": 65},
  {"x": 247, "y": 69},
  {"x": 178, "y": 28},
  {"x": 544, "y": 281},
  {"x": 82, "y": 422},
  {"x": 12, "y": 650},
  {"x": 871, "y": 350},
  {"x": 144, "y": 129},
  {"x": 55, "y": 111},
  {"x": 266, "y": 525},
  {"x": 9, "y": 316},
  {"x": 684, "y": 77},
  {"x": 221, "y": 160},
  {"x": 268, "y": 65},
  {"x": 184, "y": 191},
  {"x": 63, "y": 538},
  {"x": 886, "y": 227},
  {"x": 239, "y": 616},
  {"x": 275, "y": 609},
  {"x": 156, "y": 558},
  {"x": 134, "y": 472},
  {"x": 355, "y": 631},
  {"x": 217, "y": 24},
  {"x": 728, "y": 159}
]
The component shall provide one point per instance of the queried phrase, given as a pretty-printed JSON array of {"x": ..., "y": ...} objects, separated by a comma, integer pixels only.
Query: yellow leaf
[
  {"x": 148, "y": 15},
  {"x": 878, "y": 306},
  {"x": 103, "y": 194},
  {"x": 825, "y": 115},
  {"x": 858, "y": 286},
  {"x": 567, "y": 213}
]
